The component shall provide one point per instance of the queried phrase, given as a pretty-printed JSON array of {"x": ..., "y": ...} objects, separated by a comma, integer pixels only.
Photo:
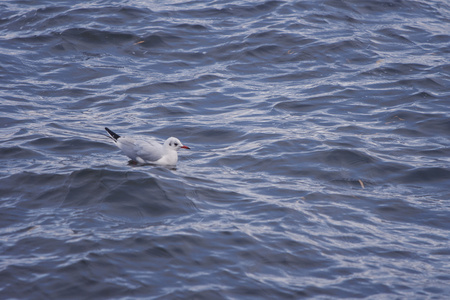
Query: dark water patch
[
  {"x": 164, "y": 87},
  {"x": 61, "y": 17},
  {"x": 11, "y": 220},
  {"x": 190, "y": 27},
  {"x": 407, "y": 132},
  {"x": 218, "y": 136},
  {"x": 277, "y": 37},
  {"x": 13, "y": 67},
  {"x": 89, "y": 101},
  {"x": 420, "y": 122},
  {"x": 435, "y": 126},
  {"x": 78, "y": 146},
  {"x": 264, "y": 51},
  {"x": 124, "y": 11},
  {"x": 347, "y": 158},
  {"x": 228, "y": 50},
  {"x": 54, "y": 144},
  {"x": 115, "y": 15},
  {"x": 426, "y": 175},
  {"x": 210, "y": 12},
  {"x": 170, "y": 110},
  {"x": 297, "y": 76},
  {"x": 18, "y": 153},
  {"x": 216, "y": 197},
  {"x": 234, "y": 10},
  {"x": 145, "y": 198},
  {"x": 428, "y": 84},
  {"x": 209, "y": 102},
  {"x": 391, "y": 70},
  {"x": 155, "y": 40},
  {"x": 241, "y": 162},
  {"x": 440, "y": 152},
  {"x": 26, "y": 21},
  {"x": 404, "y": 211},
  {"x": 421, "y": 96},
  {"x": 392, "y": 37},
  {"x": 132, "y": 196},
  {"x": 96, "y": 37}
]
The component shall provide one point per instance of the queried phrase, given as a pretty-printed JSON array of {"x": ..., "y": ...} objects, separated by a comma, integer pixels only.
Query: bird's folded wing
[
  {"x": 149, "y": 151},
  {"x": 128, "y": 146}
]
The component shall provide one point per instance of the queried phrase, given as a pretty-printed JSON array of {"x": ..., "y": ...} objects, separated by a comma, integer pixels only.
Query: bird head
[{"x": 174, "y": 143}]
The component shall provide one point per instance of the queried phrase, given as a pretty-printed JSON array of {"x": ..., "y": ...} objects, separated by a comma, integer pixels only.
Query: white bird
[{"x": 146, "y": 151}]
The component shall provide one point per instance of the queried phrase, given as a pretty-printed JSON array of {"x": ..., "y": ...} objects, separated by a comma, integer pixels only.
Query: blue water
[{"x": 319, "y": 163}]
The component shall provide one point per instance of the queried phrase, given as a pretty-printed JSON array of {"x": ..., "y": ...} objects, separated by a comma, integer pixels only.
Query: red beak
[{"x": 185, "y": 147}]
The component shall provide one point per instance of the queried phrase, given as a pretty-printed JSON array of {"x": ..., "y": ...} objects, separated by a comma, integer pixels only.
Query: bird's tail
[{"x": 113, "y": 135}]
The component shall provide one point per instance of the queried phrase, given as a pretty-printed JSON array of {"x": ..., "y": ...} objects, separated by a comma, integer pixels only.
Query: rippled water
[{"x": 319, "y": 161}]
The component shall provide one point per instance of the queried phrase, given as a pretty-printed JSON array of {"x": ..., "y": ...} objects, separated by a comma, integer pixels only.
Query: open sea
[{"x": 320, "y": 149}]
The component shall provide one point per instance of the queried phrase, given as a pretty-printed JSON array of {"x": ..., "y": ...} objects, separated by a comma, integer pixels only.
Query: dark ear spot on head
[{"x": 170, "y": 144}]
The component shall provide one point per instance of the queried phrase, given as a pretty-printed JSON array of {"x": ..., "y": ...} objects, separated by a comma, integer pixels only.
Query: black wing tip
[{"x": 114, "y": 135}]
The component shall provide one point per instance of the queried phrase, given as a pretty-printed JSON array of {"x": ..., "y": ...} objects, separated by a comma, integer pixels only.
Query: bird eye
[{"x": 176, "y": 144}]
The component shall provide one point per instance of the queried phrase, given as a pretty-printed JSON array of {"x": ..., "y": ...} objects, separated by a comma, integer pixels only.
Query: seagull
[{"x": 144, "y": 151}]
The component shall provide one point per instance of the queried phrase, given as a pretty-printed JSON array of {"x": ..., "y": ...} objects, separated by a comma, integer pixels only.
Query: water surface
[{"x": 319, "y": 161}]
